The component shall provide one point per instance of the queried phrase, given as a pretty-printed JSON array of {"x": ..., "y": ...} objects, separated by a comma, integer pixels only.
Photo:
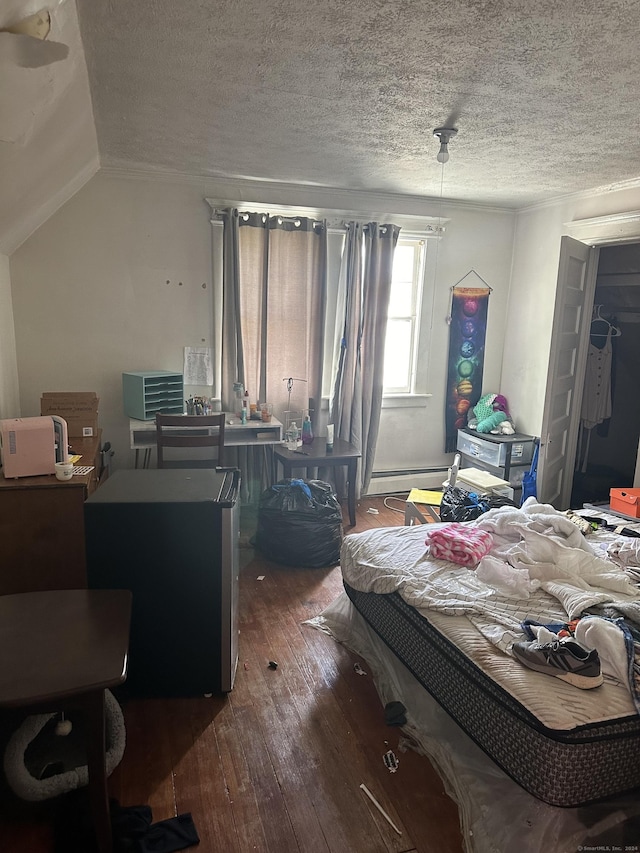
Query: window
[
  {"x": 401, "y": 345},
  {"x": 409, "y": 313}
]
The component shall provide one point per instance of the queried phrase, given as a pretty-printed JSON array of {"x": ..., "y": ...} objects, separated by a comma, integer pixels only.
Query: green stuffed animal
[
  {"x": 491, "y": 414},
  {"x": 492, "y": 422}
]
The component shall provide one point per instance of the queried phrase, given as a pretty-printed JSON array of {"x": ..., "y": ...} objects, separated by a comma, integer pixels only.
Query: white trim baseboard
[{"x": 397, "y": 484}]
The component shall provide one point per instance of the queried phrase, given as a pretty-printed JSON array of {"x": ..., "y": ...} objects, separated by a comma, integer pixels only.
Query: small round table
[
  {"x": 63, "y": 649},
  {"x": 316, "y": 455}
]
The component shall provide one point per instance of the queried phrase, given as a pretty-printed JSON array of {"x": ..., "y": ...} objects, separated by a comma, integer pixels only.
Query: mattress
[{"x": 565, "y": 746}]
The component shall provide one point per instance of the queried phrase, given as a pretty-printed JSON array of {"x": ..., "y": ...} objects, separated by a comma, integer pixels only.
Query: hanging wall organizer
[{"x": 467, "y": 334}]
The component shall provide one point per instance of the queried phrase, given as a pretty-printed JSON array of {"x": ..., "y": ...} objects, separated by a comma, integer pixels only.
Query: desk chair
[
  {"x": 63, "y": 649},
  {"x": 190, "y": 431}
]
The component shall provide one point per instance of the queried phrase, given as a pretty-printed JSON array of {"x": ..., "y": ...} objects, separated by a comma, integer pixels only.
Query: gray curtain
[
  {"x": 365, "y": 285},
  {"x": 274, "y": 304},
  {"x": 232, "y": 352}
]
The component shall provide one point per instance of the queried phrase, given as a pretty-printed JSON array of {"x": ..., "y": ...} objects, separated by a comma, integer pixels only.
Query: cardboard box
[
  {"x": 626, "y": 501},
  {"x": 78, "y": 408}
]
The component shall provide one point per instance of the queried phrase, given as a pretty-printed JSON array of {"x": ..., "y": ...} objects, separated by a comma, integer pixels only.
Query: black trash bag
[
  {"x": 496, "y": 501},
  {"x": 459, "y": 505},
  {"x": 300, "y": 524}
]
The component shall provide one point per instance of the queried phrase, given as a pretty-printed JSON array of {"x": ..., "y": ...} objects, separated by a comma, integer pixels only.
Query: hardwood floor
[{"x": 277, "y": 765}]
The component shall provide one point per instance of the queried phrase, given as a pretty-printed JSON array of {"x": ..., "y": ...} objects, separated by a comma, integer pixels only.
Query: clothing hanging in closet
[{"x": 596, "y": 397}]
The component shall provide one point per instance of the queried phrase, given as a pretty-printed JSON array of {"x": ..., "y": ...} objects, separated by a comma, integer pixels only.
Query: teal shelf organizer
[{"x": 145, "y": 393}]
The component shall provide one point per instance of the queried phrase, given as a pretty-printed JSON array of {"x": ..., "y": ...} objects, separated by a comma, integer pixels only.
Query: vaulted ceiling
[{"x": 343, "y": 94}]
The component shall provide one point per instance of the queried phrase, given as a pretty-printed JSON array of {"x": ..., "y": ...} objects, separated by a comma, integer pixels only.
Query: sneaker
[{"x": 565, "y": 659}]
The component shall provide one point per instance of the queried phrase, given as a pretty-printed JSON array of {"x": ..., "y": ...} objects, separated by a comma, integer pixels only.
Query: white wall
[
  {"x": 532, "y": 294},
  {"x": 9, "y": 400},
  {"x": 91, "y": 299},
  {"x": 414, "y": 437}
]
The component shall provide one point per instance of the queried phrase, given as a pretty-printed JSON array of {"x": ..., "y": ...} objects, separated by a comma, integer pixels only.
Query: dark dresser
[{"x": 42, "y": 526}]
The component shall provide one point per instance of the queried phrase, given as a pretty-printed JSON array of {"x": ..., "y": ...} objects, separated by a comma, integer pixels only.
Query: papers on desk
[{"x": 425, "y": 496}]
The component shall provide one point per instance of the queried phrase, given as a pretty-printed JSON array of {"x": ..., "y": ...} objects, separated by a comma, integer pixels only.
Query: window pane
[
  {"x": 401, "y": 300},
  {"x": 403, "y": 262},
  {"x": 397, "y": 355}
]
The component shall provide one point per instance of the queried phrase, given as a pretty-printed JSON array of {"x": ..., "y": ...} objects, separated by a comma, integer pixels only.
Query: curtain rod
[
  {"x": 331, "y": 223},
  {"x": 435, "y": 230},
  {"x": 431, "y": 225},
  {"x": 336, "y": 226}
]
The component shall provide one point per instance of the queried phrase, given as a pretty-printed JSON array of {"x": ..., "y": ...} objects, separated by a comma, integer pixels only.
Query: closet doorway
[{"x": 607, "y": 454}]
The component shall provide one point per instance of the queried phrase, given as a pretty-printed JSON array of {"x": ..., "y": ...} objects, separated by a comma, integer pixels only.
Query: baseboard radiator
[{"x": 397, "y": 482}]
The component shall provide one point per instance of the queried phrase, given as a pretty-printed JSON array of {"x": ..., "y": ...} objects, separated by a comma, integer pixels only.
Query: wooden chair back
[{"x": 192, "y": 431}]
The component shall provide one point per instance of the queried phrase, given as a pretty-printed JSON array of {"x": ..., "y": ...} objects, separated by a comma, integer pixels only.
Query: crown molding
[
  {"x": 583, "y": 195},
  {"x": 606, "y": 230},
  {"x": 252, "y": 190}
]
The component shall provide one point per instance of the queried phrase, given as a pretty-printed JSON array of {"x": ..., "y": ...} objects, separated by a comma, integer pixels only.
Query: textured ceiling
[{"x": 346, "y": 94}]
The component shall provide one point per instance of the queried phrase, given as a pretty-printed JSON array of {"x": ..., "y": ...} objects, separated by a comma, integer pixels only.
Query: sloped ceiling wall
[{"x": 48, "y": 144}]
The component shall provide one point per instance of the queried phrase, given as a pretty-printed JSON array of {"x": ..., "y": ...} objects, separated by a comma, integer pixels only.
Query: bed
[{"x": 453, "y": 631}]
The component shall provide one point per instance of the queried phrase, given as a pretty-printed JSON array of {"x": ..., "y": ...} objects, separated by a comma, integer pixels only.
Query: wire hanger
[{"x": 597, "y": 317}]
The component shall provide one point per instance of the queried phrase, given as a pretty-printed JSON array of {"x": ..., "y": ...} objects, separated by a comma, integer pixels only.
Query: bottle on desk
[
  {"x": 292, "y": 436},
  {"x": 238, "y": 390},
  {"x": 330, "y": 437},
  {"x": 307, "y": 430}
]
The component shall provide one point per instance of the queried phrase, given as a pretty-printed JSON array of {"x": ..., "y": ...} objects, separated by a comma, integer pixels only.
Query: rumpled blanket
[
  {"x": 460, "y": 544},
  {"x": 567, "y": 577},
  {"x": 514, "y": 583},
  {"x": 625, "y": 552},
  {"x": 538, "y": 538}
]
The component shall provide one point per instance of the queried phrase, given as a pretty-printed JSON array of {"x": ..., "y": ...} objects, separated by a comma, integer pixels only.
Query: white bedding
[{"x": 565, "y": 575}]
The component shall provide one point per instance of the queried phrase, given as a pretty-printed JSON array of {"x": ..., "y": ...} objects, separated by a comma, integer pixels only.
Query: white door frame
[
  {"x": 575, "y": 289},
  {"x": 611, "y": 230}
]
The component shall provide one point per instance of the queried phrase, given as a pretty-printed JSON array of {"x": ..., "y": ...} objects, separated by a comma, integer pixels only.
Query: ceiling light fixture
[{"x": 444, "y": 134}]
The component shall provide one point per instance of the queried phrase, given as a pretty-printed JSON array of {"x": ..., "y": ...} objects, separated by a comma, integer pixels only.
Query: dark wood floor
[{"x": 277, "y": 764}]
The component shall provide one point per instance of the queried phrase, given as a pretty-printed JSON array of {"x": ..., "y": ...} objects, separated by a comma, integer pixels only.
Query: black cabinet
[{"x": 171, "y": 537}]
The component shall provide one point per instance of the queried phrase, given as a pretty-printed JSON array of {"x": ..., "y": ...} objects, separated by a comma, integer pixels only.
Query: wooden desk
[
  {"x": 316, "y": 455},
  {"x": 142, "y": 435},
  {"x": 42, "y": 526}
]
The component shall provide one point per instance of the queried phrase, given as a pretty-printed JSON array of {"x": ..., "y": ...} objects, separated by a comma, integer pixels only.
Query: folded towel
[{"x": 459, "y": 543}]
